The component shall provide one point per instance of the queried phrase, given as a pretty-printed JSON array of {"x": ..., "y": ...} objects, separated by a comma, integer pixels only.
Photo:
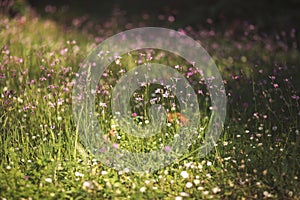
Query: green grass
[{"x": 257, "y": 156}]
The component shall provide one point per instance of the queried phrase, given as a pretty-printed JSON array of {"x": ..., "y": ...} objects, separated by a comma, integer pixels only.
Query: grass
[{"x": 257, "y": 156}]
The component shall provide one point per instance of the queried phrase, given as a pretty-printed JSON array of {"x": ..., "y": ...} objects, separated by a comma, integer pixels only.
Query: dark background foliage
[{"x": 267, "y": 15}]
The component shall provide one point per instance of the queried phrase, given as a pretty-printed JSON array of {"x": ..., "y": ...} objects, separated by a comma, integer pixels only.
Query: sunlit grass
[{"x": 257, "y": 155}]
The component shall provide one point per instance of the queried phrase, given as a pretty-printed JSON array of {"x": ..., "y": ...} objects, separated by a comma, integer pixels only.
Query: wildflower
[
  {"x": 171, "y": 18},
  {"x": 196, "y": 182},
  {"x": 256, "y": 115},
  {"x": 208, "y": 175},
  {"x": 188, "y": 165},
  {"x": 79, "y": 174},
  {"x": 200, "y": 166},
  {"x": 184, "y": 174},
  {"x": 118, "y": 61},
  {"x": 103, "y": 149},
  {"x": 158, "y": 91},
  {"x": 104, "y": 172},
  {"x": 20, "y": 100},
  {"x": 295, "y": 97},
  {"x": 143, "y": 189},
  {"x": 227, "y": 158},
  {"x": 87, "y": 185},
  {"x": 167, "y": 149},
  {"x": 244, "y": 59},
  {"x": 184, "y": 194},
  {"x": 265, "y": 172},
  {"x": 209, "y": 163},
  {"x": 102, "y": 104},
  {"x": 200, "y": 188},
  {"x": 48, "y": 180},
  {"x": 216, "y": 190},
  {"x": 267, "y": 194},
  {"x": 43, "y": 79},
  {"x": 60, "y": 102},
  {"x": 189, "y": 185},
  {"x": 265, "y": 116}
]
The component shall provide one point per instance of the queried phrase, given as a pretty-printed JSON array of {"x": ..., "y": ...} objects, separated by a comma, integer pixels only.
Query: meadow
[{"x": 256, "y": 157}]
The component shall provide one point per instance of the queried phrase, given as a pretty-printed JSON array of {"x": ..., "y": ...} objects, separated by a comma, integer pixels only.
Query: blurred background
[
  {"x": 228, "y": 20},
  {"x": 267, "y": 15}
]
